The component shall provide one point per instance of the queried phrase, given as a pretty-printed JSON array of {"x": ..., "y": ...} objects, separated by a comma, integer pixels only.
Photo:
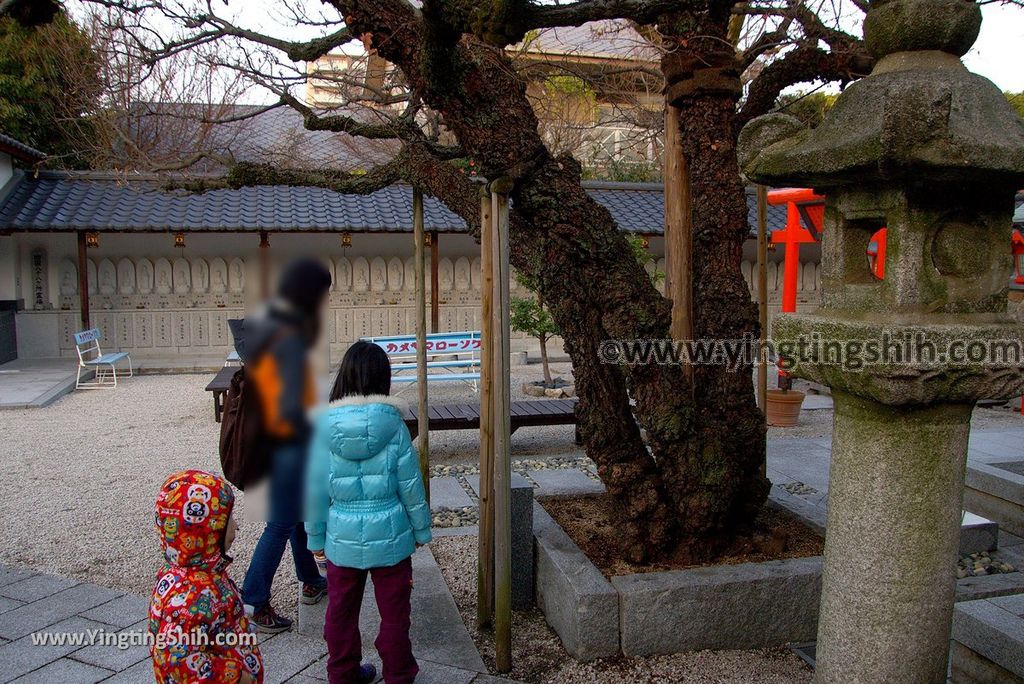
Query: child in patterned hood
[{"x": 196, "y": 617}]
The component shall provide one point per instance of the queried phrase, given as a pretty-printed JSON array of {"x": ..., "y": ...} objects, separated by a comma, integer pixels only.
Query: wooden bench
[
  {"x": 522, "y": 414},
  {"x": 219, "y": 386},
  {"x": 455, "y": 354}
]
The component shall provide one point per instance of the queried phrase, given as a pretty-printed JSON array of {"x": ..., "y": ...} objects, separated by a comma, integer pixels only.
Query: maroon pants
[{"x": 392, "y": 587}]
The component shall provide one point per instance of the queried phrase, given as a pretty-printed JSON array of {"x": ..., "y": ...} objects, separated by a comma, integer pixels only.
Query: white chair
[{"x": 90, "y": 356}]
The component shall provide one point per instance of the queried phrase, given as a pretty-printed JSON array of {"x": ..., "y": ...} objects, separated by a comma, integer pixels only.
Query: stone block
[
  {"x": 969, "y": 667},
  {"x": 7, "y": 604},
  {"x": 21, "y": 656},
  {"x": 1008, "y": 514},
  {"x": 66, "y": 670},
  {"x": 988, "y": 586},
  {"x": 123, "y": 611},
  {"x": 977, "y": 534},
  {"x": 111, "y": 657},
  {"x": 36, "y": 587},
  {"x": 446, "y": 492},
  {"x": 577, "y": 601},
  {"x": 992, "y": 632},
  {"x": 139, "y": 673},
  {"x": 33, "y": 617},
  {"x": 564, "y": 482},
  {"x": 9, "y": 574},
  {"x": 287, "y": 654},
  {"x": 753, "y": 605},
  {"x": 522, "y": 543}
]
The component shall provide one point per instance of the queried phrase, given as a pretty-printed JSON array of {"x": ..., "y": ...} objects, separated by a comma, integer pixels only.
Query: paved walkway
[
  {"x": 33, "y": 603},
  {"x": 35, "y": 383}
]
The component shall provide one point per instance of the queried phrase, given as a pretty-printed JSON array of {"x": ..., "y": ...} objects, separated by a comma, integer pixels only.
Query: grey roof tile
[{"x": 66, "y": 202}]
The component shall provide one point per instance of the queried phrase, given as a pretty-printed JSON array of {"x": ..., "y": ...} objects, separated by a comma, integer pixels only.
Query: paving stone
[
  {"x": 288, "y": 654},
  {"x": 139, "y": 673},
  {"x": 1007, "y": 539},
  {"x": 303, "y": 679},
  {"x": 7, "y": 604},
  {"x": 121, "y": 612},
  {"x": 436, "y": 673},
  {"x": 992, "y": 632},
  {"x": 318, "y": 670},
  {"x": 33, "y": 617},
  {"x": 1013, "y": 604},
  {"x": 446, "y": 492},
  {"x": 491, "y": 679},
  {"x": 65, "y": 670},
  {"x": 36, "y": 587},
  {"x": 564, "y": 482},
  {"x": 112, "y": 656},
  {"x": 438, "y": 633},
  {"x": 22, "y": 656},
  {"x": 9, "y": 574},
  {"x": 987, "y": 586}
]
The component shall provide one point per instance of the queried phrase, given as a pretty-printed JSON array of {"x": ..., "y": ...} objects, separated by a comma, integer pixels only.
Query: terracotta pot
[{"x": 784, "y": 407}]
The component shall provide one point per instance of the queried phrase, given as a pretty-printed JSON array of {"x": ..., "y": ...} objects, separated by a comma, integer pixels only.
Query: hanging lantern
[
  {"x": 179, "y": 240},
  {"x": 646, "y": 242},
  {"x": 426, "y": 239},
  {"x": 92, "y": 240},
  {"x": 346, "y": 239}
]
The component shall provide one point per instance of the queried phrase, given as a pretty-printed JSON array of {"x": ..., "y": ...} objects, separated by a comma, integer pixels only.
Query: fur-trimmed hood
[{"x": 357, "y": 427}]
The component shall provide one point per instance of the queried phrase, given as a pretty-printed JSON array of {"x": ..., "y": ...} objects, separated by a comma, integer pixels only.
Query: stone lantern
[{"x": 935, "y": 154}]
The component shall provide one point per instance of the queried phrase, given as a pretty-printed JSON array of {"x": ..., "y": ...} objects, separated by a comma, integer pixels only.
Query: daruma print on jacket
[
  {"x": 196, "y": 616},
  {"x": 365, "y": 502}
]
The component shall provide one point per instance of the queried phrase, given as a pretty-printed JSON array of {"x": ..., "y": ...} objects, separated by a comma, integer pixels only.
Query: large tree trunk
[{"x": 701, "y": 477}]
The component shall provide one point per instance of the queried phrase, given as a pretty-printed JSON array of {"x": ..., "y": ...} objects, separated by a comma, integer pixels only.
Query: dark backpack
[{"x": 244, "y": 447}]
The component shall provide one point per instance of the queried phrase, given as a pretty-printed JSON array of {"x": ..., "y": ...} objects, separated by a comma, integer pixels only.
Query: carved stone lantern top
[
  {"x": 934, "y": 154},
  {"x": 919, "y": 115}
]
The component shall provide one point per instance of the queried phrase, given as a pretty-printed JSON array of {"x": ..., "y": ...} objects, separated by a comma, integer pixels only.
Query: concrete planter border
[
  {"x": 997, "y": 494},
  {"x": 752, "y": 605}
]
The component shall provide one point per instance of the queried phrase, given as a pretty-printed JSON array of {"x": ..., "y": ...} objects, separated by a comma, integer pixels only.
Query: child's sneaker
[
  {"x": 313, "y": 593},
  {"x": 367, "y": 673},
  {"x": 268, "y": 621}
]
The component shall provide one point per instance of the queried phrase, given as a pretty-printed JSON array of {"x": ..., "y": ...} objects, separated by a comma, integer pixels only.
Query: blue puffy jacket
[{"x": 365, "y": 504}]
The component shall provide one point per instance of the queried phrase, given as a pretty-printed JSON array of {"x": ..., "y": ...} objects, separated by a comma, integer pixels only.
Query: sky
[{"x": 997, "y": 55}]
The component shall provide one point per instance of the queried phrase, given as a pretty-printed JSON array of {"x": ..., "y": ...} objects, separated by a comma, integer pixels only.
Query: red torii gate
[{"x": 805, "y": 210}]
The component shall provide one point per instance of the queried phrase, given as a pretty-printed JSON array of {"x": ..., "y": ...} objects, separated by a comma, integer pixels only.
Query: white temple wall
[{"x": 167, "y": 304}]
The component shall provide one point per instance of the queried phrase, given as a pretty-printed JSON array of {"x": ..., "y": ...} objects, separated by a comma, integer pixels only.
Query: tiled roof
[
  {"x": 62, "y": 202},
  {"x": 20, "y": 150},
  {"x": 65, "y": 204}
]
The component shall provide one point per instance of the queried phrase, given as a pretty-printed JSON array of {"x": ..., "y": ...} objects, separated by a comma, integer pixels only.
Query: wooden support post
[
  {"x": 485, "y": 538},
  {"x": 435, "y": 295},
  {"x": 678, "y": 232},
  {"x": 83, "y": 282},
  {"x": 264, "y": 264},
  {"x": 762, "y": 293},
  {"x": 422, "y": 416},
  {"x": 502, "y": 430}
]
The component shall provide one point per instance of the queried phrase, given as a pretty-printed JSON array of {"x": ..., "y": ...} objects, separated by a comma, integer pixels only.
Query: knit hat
[{"x": 303, "y": 284}]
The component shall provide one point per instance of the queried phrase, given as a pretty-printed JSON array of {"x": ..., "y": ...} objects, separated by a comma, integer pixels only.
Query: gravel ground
[
  {"x": 538, "y": 656},
  {"x": 83, "y": 473}
]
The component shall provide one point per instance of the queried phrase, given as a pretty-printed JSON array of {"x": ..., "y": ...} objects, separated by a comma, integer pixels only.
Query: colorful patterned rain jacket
[{"x": 197, "y": 619}]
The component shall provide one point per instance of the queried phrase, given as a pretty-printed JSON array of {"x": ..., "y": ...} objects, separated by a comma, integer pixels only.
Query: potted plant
[{"x": 783, "y": 404}]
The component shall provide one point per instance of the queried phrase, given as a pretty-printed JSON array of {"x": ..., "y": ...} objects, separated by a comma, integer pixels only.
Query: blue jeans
[{"x": 284, "y": 524}]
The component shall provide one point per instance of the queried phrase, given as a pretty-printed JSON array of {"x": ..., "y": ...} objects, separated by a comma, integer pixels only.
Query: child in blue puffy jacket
[{"x": 367, "y": 512}]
